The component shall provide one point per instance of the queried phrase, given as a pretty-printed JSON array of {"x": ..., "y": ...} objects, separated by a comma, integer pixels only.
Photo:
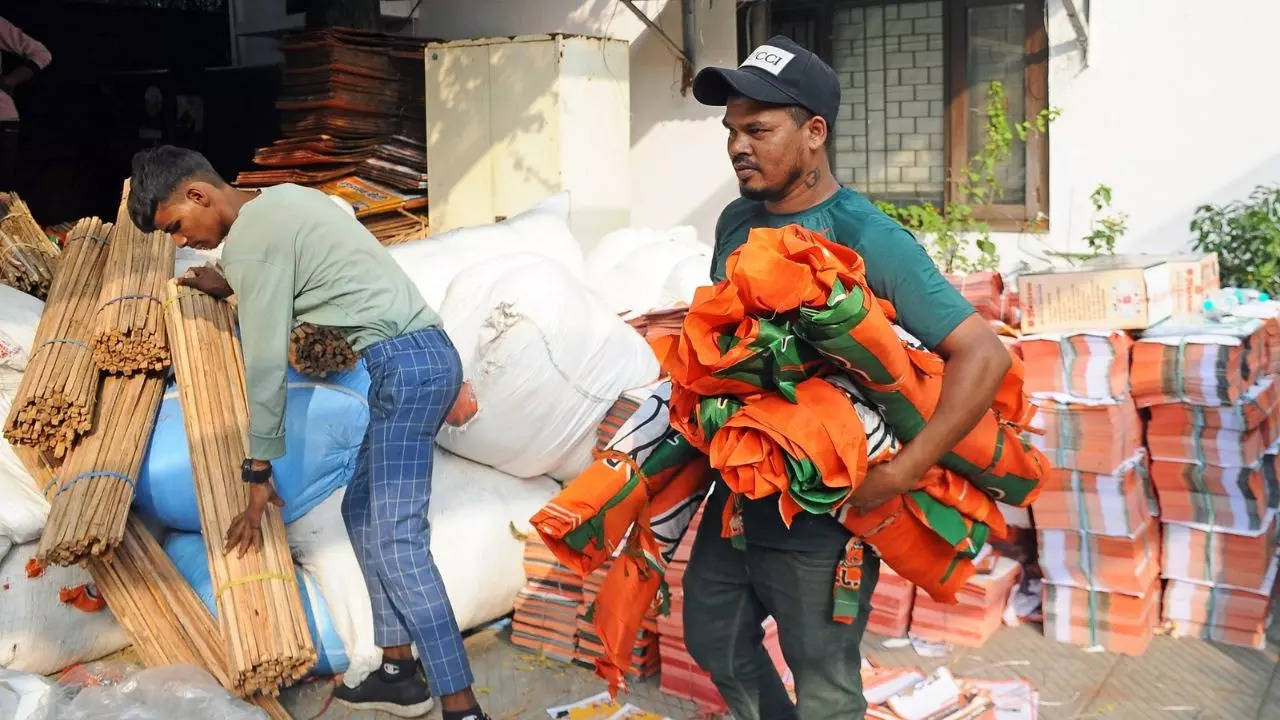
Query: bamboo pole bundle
[
  {"x": 259, "y": 606},
  {"x": 318, "y": 351},
  {"x": 90, "y": 498},
  {"x": 54, "y": 402},
  {"x": 129, "y": 334},
  {"x": 162, "y": 614},
  {"x": 27, "y": 256}
]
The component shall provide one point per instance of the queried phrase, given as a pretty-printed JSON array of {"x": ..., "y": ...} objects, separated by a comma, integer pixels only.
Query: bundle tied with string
[
  {"x": 129, "y": 333},
  {"x": 27, "y": 256},
  {"x": 319, "y": 351},
  {"x": 54, "y": 404},
  {"x": 90, "y": 496},
  {"x": 260, "y": 610}
]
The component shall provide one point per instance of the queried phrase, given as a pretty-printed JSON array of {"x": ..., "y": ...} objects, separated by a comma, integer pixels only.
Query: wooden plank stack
[
  {"x": 54, "y": 404},
  {"x": 320, "y": 351},
  {"x": 129, "y": 335},
  {"x": 90, "y": 497},
  {"x": 259, "y": 607},
  {"x": 27, "y": 255}
]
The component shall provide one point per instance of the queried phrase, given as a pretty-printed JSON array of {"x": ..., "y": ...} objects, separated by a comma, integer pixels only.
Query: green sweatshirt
[{"x": 293, "y": 253}]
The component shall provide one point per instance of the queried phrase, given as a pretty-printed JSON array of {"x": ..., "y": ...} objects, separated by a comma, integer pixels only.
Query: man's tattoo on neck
[{"x": 811, "y": 178}]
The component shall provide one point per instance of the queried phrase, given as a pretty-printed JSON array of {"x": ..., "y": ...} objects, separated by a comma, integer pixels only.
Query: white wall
[
  {"x": 1174, "y": 110},
  {"x": 680, "y": 173}
]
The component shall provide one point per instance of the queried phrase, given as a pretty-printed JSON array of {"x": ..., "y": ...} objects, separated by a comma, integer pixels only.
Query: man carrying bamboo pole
[{"x": 289, "y": 252}]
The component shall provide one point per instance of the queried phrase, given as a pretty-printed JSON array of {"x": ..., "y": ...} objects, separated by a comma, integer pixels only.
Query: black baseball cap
[{"x": 779, "y": 72}]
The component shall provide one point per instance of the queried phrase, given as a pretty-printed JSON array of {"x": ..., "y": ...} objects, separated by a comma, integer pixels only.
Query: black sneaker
[{"x": 397, "y": 688}]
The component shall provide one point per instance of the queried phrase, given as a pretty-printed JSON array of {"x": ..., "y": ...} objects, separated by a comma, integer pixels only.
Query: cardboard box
[
  {"x": 1111, "y": 294},
  {"x": 1192, "y": 276}
]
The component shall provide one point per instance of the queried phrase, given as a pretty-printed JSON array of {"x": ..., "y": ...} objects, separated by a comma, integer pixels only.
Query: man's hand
[
  {"x": 207, "y": 280},
  {"x": 246, "y": 529},
  {"x": 882, "y": 483}
]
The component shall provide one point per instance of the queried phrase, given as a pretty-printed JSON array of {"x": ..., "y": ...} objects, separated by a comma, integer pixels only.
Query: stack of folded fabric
[
  {"x": 1099, "y": 541},
  {"x": 977, "y": 615},
  {"x": 891, "y": 604},
  {"x": 1091, "y": 365},
  {"x": 1220, "y": 584},
  {"x": 983, "y": 289},
  {"x": 1094, "y": 436},
  {"x": 546, "y": 608},
  {"x": 644, "y": 655},
  {"x": 1114, "y": 621},
  {"x": 1215, "y": 417},
  {"x": 681, "y": 676},
  {"x": 351, "y": 109}
]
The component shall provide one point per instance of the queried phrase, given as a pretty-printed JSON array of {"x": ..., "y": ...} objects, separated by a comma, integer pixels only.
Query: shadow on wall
[{"x": 1178, "y": 224}]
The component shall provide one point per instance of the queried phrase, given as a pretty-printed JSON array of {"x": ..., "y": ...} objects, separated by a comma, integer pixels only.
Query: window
[{"x": 914, "y": 79}]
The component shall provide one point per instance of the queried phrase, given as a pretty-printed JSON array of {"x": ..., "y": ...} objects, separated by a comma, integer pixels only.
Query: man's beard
[{"x": 775, "y": 192}]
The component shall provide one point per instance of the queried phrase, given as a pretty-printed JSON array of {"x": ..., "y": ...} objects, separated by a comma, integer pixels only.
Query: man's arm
[
  {"x": 264, "y": 293},
  {"x": 976, "y": 363},
  {"x": 35, "y": 54}
]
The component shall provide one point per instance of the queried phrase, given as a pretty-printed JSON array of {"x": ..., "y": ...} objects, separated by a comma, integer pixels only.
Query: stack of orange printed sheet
[
  {"x": 546, "y": 608},
  {"x": 1126, "y": 564},
  {"x": 1091, "y": 365},
  {"x": 891, "y": 604},
  {"x": 1095, "y": 436},
  {"x": 977, "y": 615},
  {"x": 1092, "y": 618},
  {"x": 1226, "y": 614}
]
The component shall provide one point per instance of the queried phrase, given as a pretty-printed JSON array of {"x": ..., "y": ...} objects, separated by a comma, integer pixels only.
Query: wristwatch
[{"x": 252, "y": 476}]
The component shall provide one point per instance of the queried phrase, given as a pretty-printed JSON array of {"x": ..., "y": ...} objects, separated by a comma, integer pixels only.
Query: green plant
[
  {"x": 950, "y": 228},
  {"x": 1106, "y": 228},
  {"x": 1246, "y": 236}
]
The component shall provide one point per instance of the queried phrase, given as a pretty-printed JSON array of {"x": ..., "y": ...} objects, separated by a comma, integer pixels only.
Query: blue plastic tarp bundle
[
  {"x": 324, "y": 425},
  {"x": 187, "y": 552}
]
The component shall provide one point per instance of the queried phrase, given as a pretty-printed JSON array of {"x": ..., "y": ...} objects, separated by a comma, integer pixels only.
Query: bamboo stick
[
  {"x": 55, "y": 401},
  {"x": 90, "y": 498},
  {"x": 319, "y": 351},
  {"x": 166, "y": 621},
  {"x": 129, "y": 332},
  {"x": 27, "y": 256},
  {"x": 259, "y": 606}
]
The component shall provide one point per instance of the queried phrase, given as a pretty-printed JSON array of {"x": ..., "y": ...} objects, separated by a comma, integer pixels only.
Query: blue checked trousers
[{"x": 413, "y": 381}]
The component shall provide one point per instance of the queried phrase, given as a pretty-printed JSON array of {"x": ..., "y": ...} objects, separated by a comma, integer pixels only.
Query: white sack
[
  {"x": 634, "y": 270},
  {"x": 23, "y": 510},
  {"x": 434, "y": 261},
  {"x": 320, "y": 544},
  {"x": 26, "y": 696},
  {"x": 40, "y": 634},
  {"x": 473, "y": 511},
  {"x": 546, "y": 363}
]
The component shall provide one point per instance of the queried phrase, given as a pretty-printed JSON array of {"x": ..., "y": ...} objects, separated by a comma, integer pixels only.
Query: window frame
[{"x": 1033, "y": 211}]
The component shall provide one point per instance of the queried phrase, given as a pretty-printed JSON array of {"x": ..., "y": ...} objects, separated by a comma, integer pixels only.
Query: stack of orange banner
[
  {"x": 1092, "y": 365},
  {"x": 1236, "y": 435},
  {"x": 681, "y": 676},
  {"x": 891, "y": 604},
  {"x": 1113, "y": 621},
  {"x": 1124, "y": 564},
  {"x": 977, "y": 614},
  {"x": 1116, "y": 504},
  {"x": 1200, "y": 363},
  {"x": 1220, "y": 584},
  {"x": 984, "y": 290},
  {"x": 1226, "y": 614},
  {"x": 1229, "y": 499},
  {"x": 546, "y": 608},
  {"x": 1095, "y": 436}
]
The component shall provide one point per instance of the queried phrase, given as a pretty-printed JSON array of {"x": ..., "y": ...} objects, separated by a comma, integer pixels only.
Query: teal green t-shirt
[{"x": 898, "y": 269}]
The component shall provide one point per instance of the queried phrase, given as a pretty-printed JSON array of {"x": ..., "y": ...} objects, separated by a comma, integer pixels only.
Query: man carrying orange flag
[{"x": 780, "y": 108}]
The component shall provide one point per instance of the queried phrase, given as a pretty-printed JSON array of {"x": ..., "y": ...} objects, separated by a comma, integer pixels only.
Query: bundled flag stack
[
  {"x": 1099, "y": 542},
  {"x": 1213, "y": 404},
  {"x": 546, "y": 609},
  {"x": 891, "y": 604},
  {"x": 681, "y": 676},
  {"x": 977, "y": 614},
  {"x": 984, "y": 290},
  {"x": 351, "y": 110}
]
